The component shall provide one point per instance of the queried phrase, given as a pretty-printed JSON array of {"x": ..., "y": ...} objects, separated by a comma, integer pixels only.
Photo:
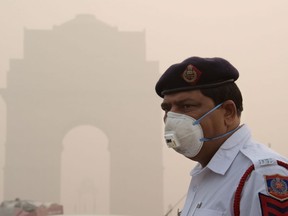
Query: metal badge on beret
[{"x": 191, "y": 75}]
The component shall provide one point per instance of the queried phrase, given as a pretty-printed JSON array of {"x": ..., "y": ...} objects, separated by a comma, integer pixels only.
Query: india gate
[{"x": 84, "y": 72}]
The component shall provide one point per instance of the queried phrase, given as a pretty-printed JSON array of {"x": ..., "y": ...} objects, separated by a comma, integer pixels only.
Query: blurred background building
[{"x": 84, "y": 73}]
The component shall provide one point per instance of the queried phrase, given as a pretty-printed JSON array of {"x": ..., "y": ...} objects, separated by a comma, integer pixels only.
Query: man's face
[{"x": 195, "y": 104}]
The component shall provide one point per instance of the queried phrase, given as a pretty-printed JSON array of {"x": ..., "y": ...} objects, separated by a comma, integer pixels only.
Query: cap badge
[{"x": 191, "y": 74}]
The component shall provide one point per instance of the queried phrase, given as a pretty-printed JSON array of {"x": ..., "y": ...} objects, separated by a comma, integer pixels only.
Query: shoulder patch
[
  {"x": 277, "y": 186},
  {"x": 276, "y": 201},
  {"x": 271, "y": 206}
]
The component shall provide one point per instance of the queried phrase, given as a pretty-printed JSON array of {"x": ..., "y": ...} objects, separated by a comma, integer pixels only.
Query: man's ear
[{"x": 230, "y": 112}]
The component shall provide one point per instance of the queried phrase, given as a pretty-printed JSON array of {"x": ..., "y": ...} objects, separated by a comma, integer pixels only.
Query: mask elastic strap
[
  {"x": 200, "y": 119},
  {"x": 218, "y": 137}
]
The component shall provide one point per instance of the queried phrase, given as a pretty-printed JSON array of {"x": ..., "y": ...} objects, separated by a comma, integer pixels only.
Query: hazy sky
[{"x": 252, "y": 35}]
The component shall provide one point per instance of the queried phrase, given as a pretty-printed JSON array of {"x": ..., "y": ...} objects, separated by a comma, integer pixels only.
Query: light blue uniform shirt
[{"x": 212, "y": 188}]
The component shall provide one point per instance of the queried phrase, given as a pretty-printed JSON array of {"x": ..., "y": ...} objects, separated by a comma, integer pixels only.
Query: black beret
[{"x": 196, "y": 73}]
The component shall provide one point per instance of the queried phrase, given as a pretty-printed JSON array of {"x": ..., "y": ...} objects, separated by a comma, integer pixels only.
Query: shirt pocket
[{"x": 207, "y": 212}]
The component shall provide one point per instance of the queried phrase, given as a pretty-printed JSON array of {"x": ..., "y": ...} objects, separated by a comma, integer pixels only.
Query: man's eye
[{"x": 188, "y": 107}]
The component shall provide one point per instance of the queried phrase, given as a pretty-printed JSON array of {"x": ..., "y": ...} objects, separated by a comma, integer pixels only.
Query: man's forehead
[{"x": 193, "y": 95}]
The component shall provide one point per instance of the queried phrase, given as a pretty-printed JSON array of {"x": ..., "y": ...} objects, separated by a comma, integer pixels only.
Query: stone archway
[
  {"x": 85, "y": 174},
  {"x": 84, "y": 71}
]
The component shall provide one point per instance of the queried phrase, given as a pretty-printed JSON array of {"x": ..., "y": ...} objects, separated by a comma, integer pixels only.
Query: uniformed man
[{"x": 234, "y": 175}]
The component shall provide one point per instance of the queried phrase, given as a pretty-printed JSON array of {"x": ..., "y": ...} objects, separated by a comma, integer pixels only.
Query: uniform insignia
[
  {"x": 277, "y": 186},
  {"x": 271, "y": 206},
  {"x": 191, "y": 74}
]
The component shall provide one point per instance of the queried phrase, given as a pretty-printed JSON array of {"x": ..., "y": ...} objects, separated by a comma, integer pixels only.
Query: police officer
[{"x": 234, "y": 174}]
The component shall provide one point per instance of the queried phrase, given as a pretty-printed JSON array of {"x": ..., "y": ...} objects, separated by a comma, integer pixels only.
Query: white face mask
[{"x": 184, "y": 134}]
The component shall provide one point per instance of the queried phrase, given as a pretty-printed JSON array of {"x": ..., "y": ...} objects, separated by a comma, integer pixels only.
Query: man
[{"x": 234, "y": 175}]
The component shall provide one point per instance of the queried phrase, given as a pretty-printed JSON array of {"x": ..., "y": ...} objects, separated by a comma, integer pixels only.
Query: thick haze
[{"x": 252, "y": 35}]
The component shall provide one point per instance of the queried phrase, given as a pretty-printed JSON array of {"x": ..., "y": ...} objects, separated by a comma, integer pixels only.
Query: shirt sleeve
[{"x": 265, "y": 192}]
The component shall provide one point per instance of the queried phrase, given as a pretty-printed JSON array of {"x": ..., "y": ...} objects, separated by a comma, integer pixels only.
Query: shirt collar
[{"x": 226, "y": 154}]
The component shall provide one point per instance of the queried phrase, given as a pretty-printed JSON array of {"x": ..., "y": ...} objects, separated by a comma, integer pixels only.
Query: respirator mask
[{"x": 185, "y": 135}]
